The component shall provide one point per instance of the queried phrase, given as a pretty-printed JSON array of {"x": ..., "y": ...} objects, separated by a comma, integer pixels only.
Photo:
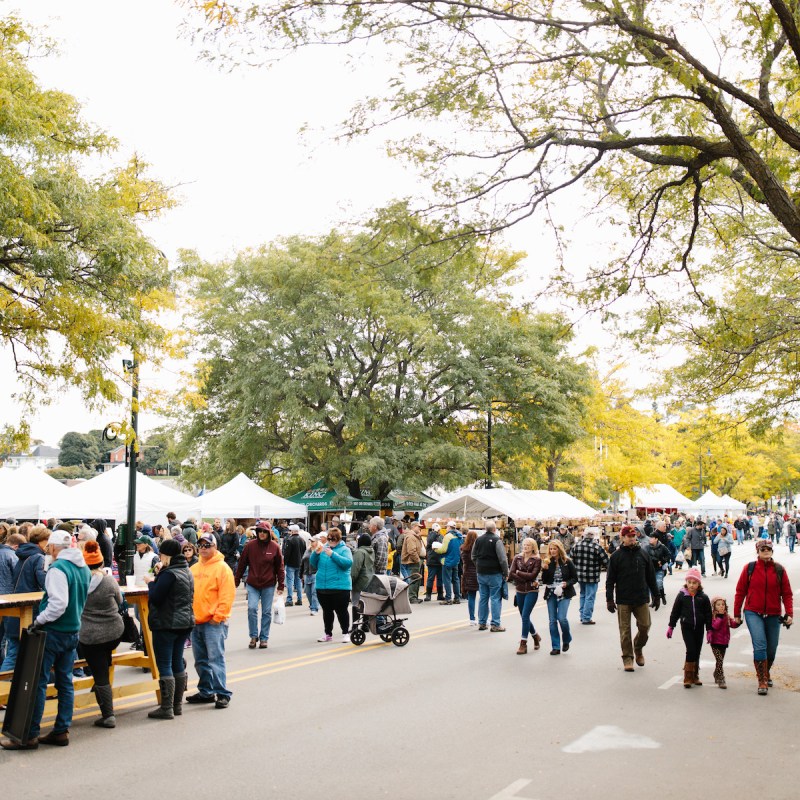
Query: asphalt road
[{"x": 454, "y": 714}]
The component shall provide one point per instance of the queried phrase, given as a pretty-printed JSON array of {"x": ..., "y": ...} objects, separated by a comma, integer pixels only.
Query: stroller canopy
[{"x": 385, "y": 586}]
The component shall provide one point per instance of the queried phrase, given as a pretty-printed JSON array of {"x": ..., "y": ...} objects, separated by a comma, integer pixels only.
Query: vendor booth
[
  {"x": 323, "y": 503},
  {"x": 28, "y": 492},
  {"x": 242, "y": 498},
  {"x": 659, "y": 498},
  {"x": 106, "y": 496},
  {"x": 517, "y": 504}
]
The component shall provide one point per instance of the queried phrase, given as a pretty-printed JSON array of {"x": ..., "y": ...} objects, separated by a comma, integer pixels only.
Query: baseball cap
[
  {"x": 207, "y": 537},
  {"x": 60, "y": 539},
  {"x": 294, "y": 527},
  {"x": 142, "y": 540}
]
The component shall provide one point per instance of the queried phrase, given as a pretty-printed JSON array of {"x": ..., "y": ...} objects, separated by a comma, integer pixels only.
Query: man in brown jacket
[{"x": 411, "y": 557}]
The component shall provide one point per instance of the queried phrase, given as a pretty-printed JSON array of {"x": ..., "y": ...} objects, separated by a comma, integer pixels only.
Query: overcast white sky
[{"x": 229, "y": 139}]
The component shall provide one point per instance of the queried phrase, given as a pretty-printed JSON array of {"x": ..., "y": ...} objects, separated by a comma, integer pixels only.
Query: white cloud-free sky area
[{"x": 229, "y": 140}]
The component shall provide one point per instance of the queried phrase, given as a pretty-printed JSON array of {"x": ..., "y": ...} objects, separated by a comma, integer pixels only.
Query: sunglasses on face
[{"x": 206, "y": 546}]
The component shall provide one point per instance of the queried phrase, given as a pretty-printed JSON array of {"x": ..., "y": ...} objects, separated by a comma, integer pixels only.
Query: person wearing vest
[
  {"x": 65, "y": 590},
  {"x": 171, "y": 593},
  {"x": 491, "y": 564}
]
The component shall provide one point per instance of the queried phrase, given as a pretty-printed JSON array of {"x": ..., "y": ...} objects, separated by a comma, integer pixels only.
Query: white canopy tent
[
  {"x": 242, "y": 498},
  {"x": 733, "y": 505},
  {"x": 106, "y": 496},
  {"x": 27, "y": 493},
  {"x": 514, "y": 503},
  {"x": 660, "y": 496},
  {"x": 711, "y": 504}
]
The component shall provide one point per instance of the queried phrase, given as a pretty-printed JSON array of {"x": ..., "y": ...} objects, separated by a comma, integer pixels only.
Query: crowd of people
[{"x": 191, "y": 574}]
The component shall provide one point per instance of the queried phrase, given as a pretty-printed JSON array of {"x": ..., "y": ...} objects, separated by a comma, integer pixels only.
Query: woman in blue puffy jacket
[{"x": 333, "y": 561}]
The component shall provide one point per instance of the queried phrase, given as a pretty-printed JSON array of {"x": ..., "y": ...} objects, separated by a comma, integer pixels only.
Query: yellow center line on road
[{"x": 310, "y": 659}]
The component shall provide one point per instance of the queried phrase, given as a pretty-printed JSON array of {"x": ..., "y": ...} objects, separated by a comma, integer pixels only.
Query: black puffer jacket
[
  {"x": 569, "y": 575},
  {"x": 631, "y": 574},
  {"x": 170, "y": 596},
  {"x": 694, "y": 612}
]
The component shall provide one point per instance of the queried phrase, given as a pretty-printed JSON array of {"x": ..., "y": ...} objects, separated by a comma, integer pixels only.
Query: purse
[{"x": 130, "y": 632}]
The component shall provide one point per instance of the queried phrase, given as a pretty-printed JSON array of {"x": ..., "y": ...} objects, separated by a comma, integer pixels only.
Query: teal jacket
[{"x": 333, "y": 571}]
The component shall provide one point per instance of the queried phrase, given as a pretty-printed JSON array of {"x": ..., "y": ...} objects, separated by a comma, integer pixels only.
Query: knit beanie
[
  {"x": 694, "y": 574},
  {"x": 92, "y": 555}
]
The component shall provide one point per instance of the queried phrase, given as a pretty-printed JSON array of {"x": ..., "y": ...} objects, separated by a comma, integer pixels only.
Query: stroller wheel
[
  {"x": 357, "y": 636},
  {"x": 386, "y": 637},
  {"x": 400, "y": 637}
]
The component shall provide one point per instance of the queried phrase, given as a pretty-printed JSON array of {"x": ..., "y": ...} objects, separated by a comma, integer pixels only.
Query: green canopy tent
[{"x": 320, "y": 498}]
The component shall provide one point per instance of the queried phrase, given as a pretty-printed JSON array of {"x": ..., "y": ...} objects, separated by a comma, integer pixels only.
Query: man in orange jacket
[{"x": 213, "y": 599}]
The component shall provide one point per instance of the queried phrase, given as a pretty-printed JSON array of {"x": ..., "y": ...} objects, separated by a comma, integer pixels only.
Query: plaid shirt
[
  {"x": 380, "y": 544},
  {"x": 588, "y": 557}
]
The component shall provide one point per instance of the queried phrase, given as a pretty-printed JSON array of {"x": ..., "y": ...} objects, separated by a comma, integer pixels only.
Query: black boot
[
  {"x": 165, "y": 710},
  {"x": 180, "y": 688},
  {"x": 106, "y": 702}
]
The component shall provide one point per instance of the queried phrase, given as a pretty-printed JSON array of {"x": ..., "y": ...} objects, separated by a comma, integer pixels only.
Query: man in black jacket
[
  {"x": 293, "y": 550},
  {"x": 632, "y": 577}
]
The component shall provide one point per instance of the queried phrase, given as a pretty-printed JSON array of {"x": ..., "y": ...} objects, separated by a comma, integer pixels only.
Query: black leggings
[
  {"x": 334, "y": 601},
  {"x": 98, "y": 657},
  {"x": 693, "y": 639}
]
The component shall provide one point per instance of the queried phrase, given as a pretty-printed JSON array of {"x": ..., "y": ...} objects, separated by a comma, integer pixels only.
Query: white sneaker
[
  {"x": 325, "y": 639},
  {"x": 473, "y": 622},
  {"x": 345, "y": 638}
]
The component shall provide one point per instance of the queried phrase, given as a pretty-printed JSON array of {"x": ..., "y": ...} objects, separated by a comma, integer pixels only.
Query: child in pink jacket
[{"x": 719, "y": 636}]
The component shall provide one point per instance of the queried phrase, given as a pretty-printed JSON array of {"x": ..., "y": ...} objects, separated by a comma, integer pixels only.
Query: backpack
[{"x": 751, "y": 568}]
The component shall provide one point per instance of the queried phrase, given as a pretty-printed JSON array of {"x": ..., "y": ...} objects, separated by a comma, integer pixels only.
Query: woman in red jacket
[{"x": 763, "y": 586}]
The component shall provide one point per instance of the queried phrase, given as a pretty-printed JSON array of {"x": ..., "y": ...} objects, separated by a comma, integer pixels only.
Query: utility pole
[
  {"x": 132, "y": 367},
  {"x": 489, "y": 447}
]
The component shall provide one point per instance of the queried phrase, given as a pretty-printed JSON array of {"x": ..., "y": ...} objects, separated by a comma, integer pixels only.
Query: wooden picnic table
[{"x": 21, "y": 606}]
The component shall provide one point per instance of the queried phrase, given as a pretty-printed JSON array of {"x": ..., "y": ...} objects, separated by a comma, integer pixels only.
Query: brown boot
[
  {"x": 761, "y": 674},
  {"x": 639, "y": 658},
  {"x": 523, "y": 647},
  {"x": 688, "y": 675},
  {"x": 696, "y": 675},
  {"x": 627, "y": 664}
]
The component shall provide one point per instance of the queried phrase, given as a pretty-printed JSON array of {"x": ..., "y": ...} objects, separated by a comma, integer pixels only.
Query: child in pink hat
[{"x": 693, "y": 608}]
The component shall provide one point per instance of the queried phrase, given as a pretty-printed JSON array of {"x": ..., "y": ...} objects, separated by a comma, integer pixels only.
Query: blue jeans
[
  {"x": 660, "y": 580},
  {"x": 208, "y": 646},
  {"x": 451, "y": 582},
  {"x": 293, "y": 583},
  {"x": 765, "y": 633},
  {"x": 264, "y": 596},
  {"x": 168, "y": 652},
  {"x": 557, "y": 608},
  {"x": 471, "y": 604},
  {"x": 490, "y": 586},
  {"x": 792, "y": 540},
  {"x": 525, "y": 604},
  {"x": 311, "y": 592},
  {"x": 12, "y": 648},
  {"x": 586, "y": 602},
  {"x": 699, "y": 558},
  {"x": 59, "y": 651},
  {"x": 434, "y": 571}
]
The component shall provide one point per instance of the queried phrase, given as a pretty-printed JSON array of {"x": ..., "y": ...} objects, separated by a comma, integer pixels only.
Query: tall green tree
[
  {"x": 365, "y": 358},
  {"x": 79, "y": 449},
  {"x": 681, "y": 116},
  {"x": 78, "y": 278}
]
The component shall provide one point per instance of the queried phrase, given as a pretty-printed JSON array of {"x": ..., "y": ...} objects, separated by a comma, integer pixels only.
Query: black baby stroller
[{"x": 385, "y": 597}]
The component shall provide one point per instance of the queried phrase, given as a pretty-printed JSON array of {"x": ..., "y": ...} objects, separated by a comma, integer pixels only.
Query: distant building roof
[{"x": 44, "y": 451}]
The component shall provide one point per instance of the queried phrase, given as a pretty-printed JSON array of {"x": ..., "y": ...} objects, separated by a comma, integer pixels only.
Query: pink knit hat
[{"x": 694, "y": 574}]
